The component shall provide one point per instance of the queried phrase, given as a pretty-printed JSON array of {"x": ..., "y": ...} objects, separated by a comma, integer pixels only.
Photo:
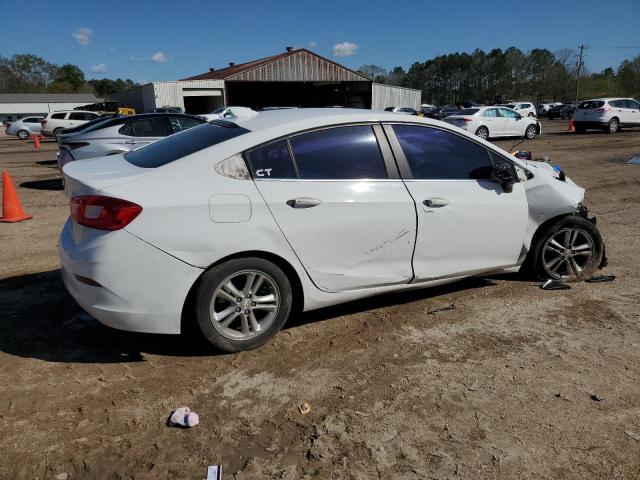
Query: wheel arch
[
  {"x": 542, "y": 228},
  {"x": 187, "y": 321}
]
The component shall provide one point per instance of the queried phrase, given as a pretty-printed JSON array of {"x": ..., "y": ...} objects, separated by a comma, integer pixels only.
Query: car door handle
[
  {"x": 435, "y": 202},
  {"x": 130, "y": 142},
  {"x": 303, "y": 202}
]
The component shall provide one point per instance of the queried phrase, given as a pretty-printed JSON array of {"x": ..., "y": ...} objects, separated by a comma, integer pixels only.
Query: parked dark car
[
  {"x": 441, "y": 112},
  {"x": 167, "y": 109},
  {"x": 555, "y": 111},
  {"x": 567, "y": 111}
]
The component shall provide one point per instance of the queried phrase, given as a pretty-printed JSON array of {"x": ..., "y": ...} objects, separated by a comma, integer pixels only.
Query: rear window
[
  {"x": 185, "y": 143},
  {"x": 590, "y": 105},
  {"x": 469, "y": 111}
]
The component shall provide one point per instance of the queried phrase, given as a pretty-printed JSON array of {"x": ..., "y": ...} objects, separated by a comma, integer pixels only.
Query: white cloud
[
  {"x": 83, "y": 36},
  {"x": 345, "y": 49},
  {"x": 99, "y": 68},
  {"x": 159, "y": 57},
  {"x": 112, "y": 50},
  {"x": 313, "y": 44}
]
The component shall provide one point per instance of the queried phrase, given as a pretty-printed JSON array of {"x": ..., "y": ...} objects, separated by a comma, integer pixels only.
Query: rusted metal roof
[{"x": 299, "y": 65}]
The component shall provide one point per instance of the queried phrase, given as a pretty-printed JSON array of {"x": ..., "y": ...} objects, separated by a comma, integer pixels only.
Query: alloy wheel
[
  {"x": 567, "y": 253},
  {"x": 244, "y": 305},
  {"x": 23, "y": 134},
  {"x": 483, "y": 133},
  {"x": 531, "y": 132}
]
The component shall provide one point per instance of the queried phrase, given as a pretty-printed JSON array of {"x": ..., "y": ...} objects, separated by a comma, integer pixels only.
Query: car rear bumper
[
  {"x": 124, "y": 282},
  {"x": 64, "y": 157}
]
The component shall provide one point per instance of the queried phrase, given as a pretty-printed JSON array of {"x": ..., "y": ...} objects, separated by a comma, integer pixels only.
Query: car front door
[
  {"x": 633, "y": 113},
  {"x": 513, "y": 124},
  {"x": 337, "y": 197},
  {"x": 467, "y": 222},
  {"x": 141, "y": 131}
]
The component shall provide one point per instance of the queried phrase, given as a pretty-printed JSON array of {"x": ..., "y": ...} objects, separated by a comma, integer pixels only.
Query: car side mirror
[{"x": 503, "y": 173}]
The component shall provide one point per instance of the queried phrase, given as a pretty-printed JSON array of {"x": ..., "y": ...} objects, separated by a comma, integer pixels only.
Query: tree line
[
  {"x": 32, "y": 74},
  {"x": 512, "y": 74}
]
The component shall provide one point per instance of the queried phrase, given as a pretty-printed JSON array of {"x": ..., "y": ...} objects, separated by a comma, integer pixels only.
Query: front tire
[
  {"x": 57, "y": 132},
  {"x": 531, "y": 132},
  {"x": 569, "y": 250},
  {"x": 242, "y": 303},
  {"x": 483, "y": 133},
  {"x": 23, "y": 134},
  {"x": 613, "y": 126}
]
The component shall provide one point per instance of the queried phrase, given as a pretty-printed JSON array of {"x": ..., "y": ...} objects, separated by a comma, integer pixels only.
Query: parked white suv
[
  {"x": 607, "y": 113},
  {"x": 55, "y": 122},
  {"x": 526, "y": 109}
]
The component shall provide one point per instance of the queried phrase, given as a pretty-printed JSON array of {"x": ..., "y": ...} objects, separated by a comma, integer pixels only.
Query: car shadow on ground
[
  {"x": 40, "y": 320},
  {"x": 47, "y": 162},
  {"x": 50, "y": 184}
]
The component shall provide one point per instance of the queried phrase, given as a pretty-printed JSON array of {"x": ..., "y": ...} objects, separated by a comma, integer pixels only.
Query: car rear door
[
  {"x": 494, "y": 121},
  {"x": 142, "y": 131},
  {"x": 337, "y": 197},
  {"x": 633, "y": 112},
  {"x": 467, "y": 222}
]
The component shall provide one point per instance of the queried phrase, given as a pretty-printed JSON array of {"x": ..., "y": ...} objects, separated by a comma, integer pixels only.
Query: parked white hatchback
[
  {"x": 238, "y": 225},
  {"x": 608, "y": 114},
  {"x": 492, "y": 122}
]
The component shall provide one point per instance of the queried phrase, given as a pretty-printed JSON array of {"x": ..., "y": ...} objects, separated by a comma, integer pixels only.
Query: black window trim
[
  {"x": 385, "y": 151},
  {"x": 403, "y": 163}
]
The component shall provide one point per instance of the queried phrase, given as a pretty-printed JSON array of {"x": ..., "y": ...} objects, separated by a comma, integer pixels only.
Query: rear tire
[
  {"x": 23, "y": 134},
  {"x": 579, "y": 129},
  {"x": 569, "y": 250},
  {"x": 613, "y": 126},
  {"x": 530, "y": 115},
  {"x": 242, "y": 303},
  {"x": 57, "y": 131},
  {"x": 483, "y": 133}
]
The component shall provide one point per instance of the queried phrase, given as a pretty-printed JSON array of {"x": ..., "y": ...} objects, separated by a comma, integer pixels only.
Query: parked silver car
[
  {"x": 120, "y": 135},
  {"x": 24, "y": 127}
]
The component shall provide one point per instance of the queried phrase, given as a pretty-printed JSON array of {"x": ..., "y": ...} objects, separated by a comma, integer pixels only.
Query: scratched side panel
[{"x": 360, "y": 235}]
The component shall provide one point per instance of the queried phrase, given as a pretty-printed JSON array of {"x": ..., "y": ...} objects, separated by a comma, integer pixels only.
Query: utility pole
[{"x": 578, "y": 73}]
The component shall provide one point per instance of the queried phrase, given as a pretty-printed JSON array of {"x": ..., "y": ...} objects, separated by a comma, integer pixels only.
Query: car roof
[
  {"x": 283, "y": 122},
  {"x": 606, "y": 99}
]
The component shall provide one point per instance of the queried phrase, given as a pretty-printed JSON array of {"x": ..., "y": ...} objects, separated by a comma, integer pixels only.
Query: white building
[{"x": 17, "y": 105}]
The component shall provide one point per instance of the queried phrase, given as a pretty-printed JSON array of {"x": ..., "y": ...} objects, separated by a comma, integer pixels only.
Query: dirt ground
[{"x": 513, "y": 383}]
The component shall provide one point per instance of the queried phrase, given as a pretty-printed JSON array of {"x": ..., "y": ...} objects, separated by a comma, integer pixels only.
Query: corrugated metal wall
[
  {"x": 299, "y": 67},
  {"x": 141, "y": 98},
  {"x": 384, "y": 96}
]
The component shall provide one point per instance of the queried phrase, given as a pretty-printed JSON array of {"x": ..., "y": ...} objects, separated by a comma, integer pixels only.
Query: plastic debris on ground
[
  {"x": 214, "y": 472},
  {"x": 183, "y": 417},
  {"x": 304, "y": 408},
  {"x": 601, "y": 278},
  {"x": 554, "y": 285},
  {"x": 443, "y": 308},
  {"x": 635, "y": 160}
]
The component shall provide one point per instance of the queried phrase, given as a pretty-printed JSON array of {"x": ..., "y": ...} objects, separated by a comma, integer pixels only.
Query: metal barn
[{"x": 298, "y": 78}]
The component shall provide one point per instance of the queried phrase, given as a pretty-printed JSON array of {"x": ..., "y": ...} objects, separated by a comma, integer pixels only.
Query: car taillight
[
  {"x": 43, "y": 122},
  {"x": 467, "y": 119},
  {"x": 602, "y": 109},
  {"x": 103, "y": 213},
  {"x": 74, "y": 145}
]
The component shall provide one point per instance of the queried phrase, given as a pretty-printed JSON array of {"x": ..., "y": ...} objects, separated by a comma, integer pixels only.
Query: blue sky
[{"x": 167, "y": 40}]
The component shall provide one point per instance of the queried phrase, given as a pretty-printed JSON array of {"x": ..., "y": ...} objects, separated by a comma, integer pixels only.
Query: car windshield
[
  {"x": 469, "y": 111},
  {"x": 185, "y": 143},
  {"x": 590, "y": 105}
]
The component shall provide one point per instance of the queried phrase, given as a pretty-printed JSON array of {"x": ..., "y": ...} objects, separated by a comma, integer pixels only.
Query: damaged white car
[{"x": 236, "y": 225}]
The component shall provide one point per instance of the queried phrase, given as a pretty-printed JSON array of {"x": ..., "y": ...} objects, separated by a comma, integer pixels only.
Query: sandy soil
[{"x": 513, "y": 383}]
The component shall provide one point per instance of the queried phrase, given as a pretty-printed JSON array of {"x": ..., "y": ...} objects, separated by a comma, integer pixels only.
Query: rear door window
[
  {"x": 185, "y": 143},
  {"x": 338, "y": 153},
  {"x": 81, "y": 116},
  {"x": 435, "y": 154},
  {"x": 148, "y": 127},
  {"x": 59, "y": 116},
  {"x": 272, "y": 161},
  {"x": 590, "y": 105}
]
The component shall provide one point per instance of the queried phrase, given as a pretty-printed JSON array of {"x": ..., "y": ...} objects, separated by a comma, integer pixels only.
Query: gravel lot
[{"x": 512, "y": 383}]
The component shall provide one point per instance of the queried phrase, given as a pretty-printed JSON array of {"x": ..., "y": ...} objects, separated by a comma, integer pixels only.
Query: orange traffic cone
[
  {"x": 571, "y": 127},
  {"x": 11, "y": 207},
  {"x": 36, "y": 140}
]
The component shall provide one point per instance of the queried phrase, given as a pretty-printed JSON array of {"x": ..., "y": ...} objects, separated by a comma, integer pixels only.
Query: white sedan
[
  {"x": 492, "y": 122},
  {"x": 237, "y": 226}
]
